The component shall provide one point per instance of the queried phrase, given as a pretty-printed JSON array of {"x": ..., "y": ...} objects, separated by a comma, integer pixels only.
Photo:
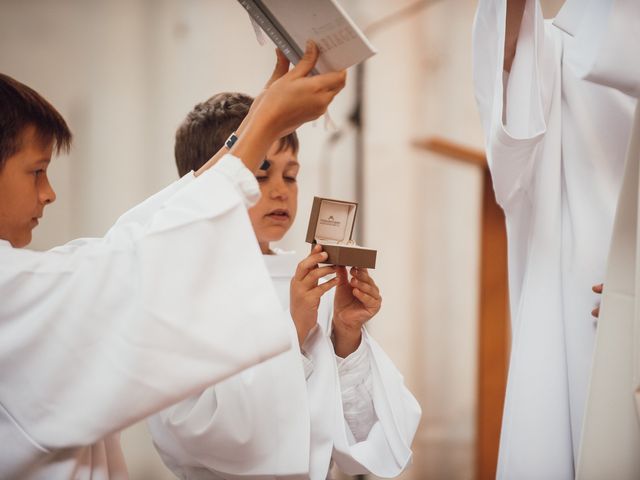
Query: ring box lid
[{"x": 331, "y": 221}]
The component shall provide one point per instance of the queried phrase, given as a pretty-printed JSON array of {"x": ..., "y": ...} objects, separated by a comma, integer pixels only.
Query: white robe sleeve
[
  {"x": 96, "y": 335},
  {"x": 356, "y": 387},
  {"x": 514, "y": 107},
  {"x": 254, "y": 423},
  {"x": 144, "y": 211},
  {"x": 305, "y": 358},
  {"x": 387, "y": 449},
  {"x": 228, "y": 165}
]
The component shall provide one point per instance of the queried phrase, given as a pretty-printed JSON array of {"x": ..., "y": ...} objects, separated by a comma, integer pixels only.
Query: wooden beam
[
  {"x": 494, "y": 333},
  {"x": 452, "y": 150}
]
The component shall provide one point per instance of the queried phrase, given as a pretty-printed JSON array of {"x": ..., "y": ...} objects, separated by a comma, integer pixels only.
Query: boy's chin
[
  {"x": 274, "y": 234},
  {"x": 21, "y": 241}
]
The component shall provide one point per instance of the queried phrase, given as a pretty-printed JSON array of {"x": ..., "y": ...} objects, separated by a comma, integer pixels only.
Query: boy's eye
[
  {"x": 261, "y": 178},
  {"x": 290, "y": 179},
  {"x": 38, "y": 172}
]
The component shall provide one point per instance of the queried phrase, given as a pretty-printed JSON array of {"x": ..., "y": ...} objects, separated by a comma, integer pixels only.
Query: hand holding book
[
  {"x": 290, "y": 99},
  {"x": 303, "y": 98},
  {"x": 290, "y": 23}
]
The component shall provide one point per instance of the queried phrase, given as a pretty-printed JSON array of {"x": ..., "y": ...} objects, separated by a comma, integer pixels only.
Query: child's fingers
[
  {"x": 362, "y": 274},
  {"x": 596, "y": 311},
  {"x": 326, "y": 286},
  {"x": 365, "y": 287},
  {"x": 330, "y": 82},
  {"x": 368, "y": 301},
  {"x": 282, "y": 67},
  {"x": 341, "y": 272},
  {"x": 598, "y": 288},
  {"x": 307, "y": 62},
  {"x": 312, "y": 277},
  {"x": 316, "y": 256}
]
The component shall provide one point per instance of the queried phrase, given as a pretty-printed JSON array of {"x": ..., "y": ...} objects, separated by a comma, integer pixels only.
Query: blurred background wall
[{"x": 124, "y": 73}]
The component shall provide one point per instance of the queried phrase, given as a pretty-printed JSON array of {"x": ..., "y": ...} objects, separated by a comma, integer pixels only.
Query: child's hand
[
  {"x": 281, "y": 67},
  {"x": 292, "y": 98},
  {"x": 306, "y": 293},
  {"x": 356, "y": 301}
]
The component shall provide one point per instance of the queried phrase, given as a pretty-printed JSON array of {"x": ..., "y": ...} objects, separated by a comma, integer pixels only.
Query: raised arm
[
  {"x": 155, "y": 311},
  {"x": 290, "y": 99}
]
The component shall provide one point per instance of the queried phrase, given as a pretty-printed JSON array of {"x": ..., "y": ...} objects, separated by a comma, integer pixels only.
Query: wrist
[
  {"x": 345, "y": 343},
  {"x": 303, "y": 333},
  {"x": 304, "y": 324},
  {"x": 254, "y": 140}
]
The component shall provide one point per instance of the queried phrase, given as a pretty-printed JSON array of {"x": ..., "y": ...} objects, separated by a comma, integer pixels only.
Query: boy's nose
[
  {"x": 47, "y": 194},
  {"x": 279, "y": 191}
]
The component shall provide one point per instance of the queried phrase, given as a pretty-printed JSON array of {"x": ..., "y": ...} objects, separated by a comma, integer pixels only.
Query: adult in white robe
[
  {"x": 556, "y": 146},
  {"x": 608, "y": 33},
  {"x": 292, "y": 419},
  {"x": 99, "y": 333}
]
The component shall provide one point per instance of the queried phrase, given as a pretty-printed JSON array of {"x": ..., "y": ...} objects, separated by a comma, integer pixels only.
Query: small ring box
[{"x": 331, "y": 226}]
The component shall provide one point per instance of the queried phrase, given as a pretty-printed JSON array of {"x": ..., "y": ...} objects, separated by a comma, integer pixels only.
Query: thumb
[
  {"x": 308, "y": 60},
  {"x": 282, "y": 67},
  {"x": 341, "y": 273}
]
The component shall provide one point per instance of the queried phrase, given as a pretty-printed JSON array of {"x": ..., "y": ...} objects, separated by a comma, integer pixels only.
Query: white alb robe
[
  {"x": 556, "y": 147},
  {"x": 291, "y": 416},
  {"x": 100, "y": 333},
  {"x": 608, "y": 33}
]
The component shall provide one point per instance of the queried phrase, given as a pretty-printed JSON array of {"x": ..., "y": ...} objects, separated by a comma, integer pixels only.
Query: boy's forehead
[
  {"x": 33, "y": 146},
  {"x": 284, "y": 158},
  {"x": 31, "y": 137}
]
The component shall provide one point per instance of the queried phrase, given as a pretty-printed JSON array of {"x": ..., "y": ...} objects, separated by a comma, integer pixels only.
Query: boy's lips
[{"x": 279, "y": 215}]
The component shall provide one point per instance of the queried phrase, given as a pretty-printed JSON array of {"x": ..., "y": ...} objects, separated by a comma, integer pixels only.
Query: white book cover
[{"x": 290, "y": 23}]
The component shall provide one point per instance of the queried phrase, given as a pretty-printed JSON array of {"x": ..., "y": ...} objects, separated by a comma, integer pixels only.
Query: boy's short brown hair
[
  {"x": 208, "y": 126},
  {"x": 21, "y": 107}
]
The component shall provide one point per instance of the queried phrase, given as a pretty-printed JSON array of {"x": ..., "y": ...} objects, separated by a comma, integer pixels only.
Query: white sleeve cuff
[
  {"x": 244, "y": 180},
  {"x": 355, "y": 367},
  {"x": 356, "y": 385}
]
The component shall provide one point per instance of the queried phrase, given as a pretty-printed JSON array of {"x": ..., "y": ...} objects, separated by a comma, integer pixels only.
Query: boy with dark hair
[
  {"x": 23, "y": 106},
  {"x": 335, "y": 397},
  {"x": 208, "y": 126},
  {"x": 99, "y": 333},
  {"x": 32, "y": 129}
]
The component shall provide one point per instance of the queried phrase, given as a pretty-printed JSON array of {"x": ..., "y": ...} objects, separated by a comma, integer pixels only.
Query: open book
[{"x": 290, "y": 23}]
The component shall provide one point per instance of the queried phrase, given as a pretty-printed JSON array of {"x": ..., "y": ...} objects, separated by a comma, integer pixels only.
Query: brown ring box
[{"x": 331, "y": 226}]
